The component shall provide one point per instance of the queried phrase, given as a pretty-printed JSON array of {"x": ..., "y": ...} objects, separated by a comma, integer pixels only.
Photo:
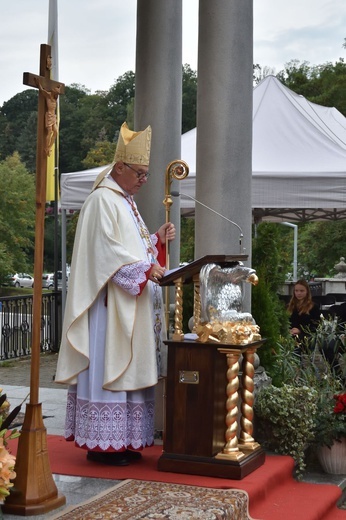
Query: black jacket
[{"x": 305, "y": 322}]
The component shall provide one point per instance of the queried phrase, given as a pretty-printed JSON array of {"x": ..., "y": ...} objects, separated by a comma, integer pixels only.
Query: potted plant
[
  {"x": 329, "y": 378},
  {"x": 330, "y": 431},
  {"x": 299, "y": 411}
]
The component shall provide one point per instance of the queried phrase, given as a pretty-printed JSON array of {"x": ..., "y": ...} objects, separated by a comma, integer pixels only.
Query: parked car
[
  {"x": 21, "y": 280},
  {"x": 59, "y": 275},
  {"x": 48, "y": 281}
]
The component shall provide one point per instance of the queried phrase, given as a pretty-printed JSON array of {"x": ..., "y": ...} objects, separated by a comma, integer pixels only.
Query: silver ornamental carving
[{"x": 221, "y": 292}]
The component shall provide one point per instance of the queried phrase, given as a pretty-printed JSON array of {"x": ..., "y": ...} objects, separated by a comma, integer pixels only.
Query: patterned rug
[{"x": 141, "y": 500}]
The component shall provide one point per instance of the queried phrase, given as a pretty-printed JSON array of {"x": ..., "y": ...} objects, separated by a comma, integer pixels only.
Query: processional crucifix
[{"x": 34, "y": 490}]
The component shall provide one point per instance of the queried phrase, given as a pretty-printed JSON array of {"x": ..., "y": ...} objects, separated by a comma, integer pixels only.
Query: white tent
[{"x": 298, "y": 157}]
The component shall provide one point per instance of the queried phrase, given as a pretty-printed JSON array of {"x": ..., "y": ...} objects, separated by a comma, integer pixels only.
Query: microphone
[{"x": 241, "y": 234}]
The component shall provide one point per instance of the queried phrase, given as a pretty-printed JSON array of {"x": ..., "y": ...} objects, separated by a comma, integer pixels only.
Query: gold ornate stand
[
  {"x": 203, "y": 393},
  {"x": 202, "y": 397}
]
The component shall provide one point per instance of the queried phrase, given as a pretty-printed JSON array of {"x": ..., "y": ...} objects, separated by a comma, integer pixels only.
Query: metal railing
[{"x": 16, "y": 321}]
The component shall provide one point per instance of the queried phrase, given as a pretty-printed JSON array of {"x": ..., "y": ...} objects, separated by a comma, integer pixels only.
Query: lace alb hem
[{"x": 107, "y": 426}]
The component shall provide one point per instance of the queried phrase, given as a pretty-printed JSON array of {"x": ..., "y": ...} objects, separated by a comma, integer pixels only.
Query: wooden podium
[{"x": 205, "y": 431}]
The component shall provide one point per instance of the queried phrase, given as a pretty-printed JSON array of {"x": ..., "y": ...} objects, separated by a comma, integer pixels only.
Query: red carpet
[{"x": 274, "y": 494}]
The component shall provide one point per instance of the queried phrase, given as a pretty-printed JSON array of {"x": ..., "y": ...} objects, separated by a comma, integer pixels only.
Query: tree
[
  {"x": 85, "y": 117},
  {"x": 26, "y": 145},
  {"x": 267, "y": 310},
  {"x": 189, "y": 106},
  {"x": 101, "y": 154},
  {"x": 17, "y": 216},
  {"x": 260, "y": 73},
  {"x": 49, "y": 243},
  {"x": 322, "y": 84},
  {"x": 18, "y": 126},
  {"x": 71, "y": 130},
  {"x": 321, "y": 245},
  {"x": 120, "y": 99},
  {"x": 187, "y": 232}
]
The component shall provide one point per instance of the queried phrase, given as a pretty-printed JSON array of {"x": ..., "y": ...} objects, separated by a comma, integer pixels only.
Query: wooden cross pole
[{"x": 34, "y": 490}]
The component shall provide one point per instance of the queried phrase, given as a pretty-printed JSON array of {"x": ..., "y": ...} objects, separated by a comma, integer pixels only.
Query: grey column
[
  {"x": 224, "y": 125},
  {"x": 158, "y": 102}
]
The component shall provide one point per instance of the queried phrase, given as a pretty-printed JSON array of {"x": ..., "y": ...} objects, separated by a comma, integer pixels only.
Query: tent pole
[
  {"x": 295, "y": 248},
  {"x": 63, "y": 261}
]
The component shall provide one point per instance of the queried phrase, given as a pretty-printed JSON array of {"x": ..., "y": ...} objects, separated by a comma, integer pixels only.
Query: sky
[{"x": 97, "y": 38}]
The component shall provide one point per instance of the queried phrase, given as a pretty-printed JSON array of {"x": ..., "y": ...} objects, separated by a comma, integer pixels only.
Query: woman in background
[{"x": 304, "y": 313}]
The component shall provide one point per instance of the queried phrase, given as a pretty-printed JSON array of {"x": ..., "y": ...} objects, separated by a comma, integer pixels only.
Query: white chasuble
[{"x": 111, "y": 349}]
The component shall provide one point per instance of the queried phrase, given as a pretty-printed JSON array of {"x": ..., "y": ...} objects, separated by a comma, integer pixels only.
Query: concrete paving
[{"x": 15, "y": 378}]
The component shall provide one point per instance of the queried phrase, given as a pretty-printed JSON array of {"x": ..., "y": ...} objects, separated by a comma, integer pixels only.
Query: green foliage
[
  {"x": 308, "y": 408},
  {"x": 266, "y": 307},
  {"x": 17, "y": 216},
  {"x": 89, "y": 126},
  {"x": 83, "y": 119},
  {"x": 70, "y": 234},
  {"x": 52, "y": 243},
  {"x": 265, "y": 252},
  {"x": 322, "y": 84},
  {"x": 121, "y": 94},
  {"x": 321, "y": 245},
  {"x": 18, "y": 124},
  {"x": 189, "y": 110},
  {"x": 269, "y": 315},
  {"x": 102, "y": 153},
  {"x": 330, "y": 422},
  {"x": 187, "y": 234},
  {"x": 286, "y": 420},
  {"x": 187, "y": 241},
  {"x": 329, "y": 380},
  {"x": 26, "y": 145},
  {"x": 15, "y": 291},
  {"x": 285, "y": 363}
]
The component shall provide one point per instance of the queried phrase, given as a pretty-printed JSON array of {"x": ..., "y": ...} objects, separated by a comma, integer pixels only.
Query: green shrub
[{"x": 285, "y": 420}]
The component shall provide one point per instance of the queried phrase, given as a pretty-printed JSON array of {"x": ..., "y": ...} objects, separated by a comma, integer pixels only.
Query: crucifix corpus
[{"x": 34, "y": 490}]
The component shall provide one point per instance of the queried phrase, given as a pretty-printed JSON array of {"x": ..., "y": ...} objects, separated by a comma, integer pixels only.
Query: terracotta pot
[{"x": 333, "y": 460}]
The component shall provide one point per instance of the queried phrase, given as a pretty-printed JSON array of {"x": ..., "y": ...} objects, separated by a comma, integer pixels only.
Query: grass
[
  {"x": 6, "y": 364},
  {"x": 15, "y": 291}
]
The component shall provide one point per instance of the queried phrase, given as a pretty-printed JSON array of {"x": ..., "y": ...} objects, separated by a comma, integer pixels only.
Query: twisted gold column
[
  {"x": 231, "y": 450},
  {"x": 196, "y": 303},
  {"x": 246, "y": 440},
  {"x": 178, "y": 314}
]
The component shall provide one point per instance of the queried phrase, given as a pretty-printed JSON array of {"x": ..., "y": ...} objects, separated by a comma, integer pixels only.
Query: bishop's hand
[{"x": 166, "y": 232}]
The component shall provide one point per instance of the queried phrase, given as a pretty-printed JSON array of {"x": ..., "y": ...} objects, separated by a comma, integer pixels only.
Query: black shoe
[
  {"x": 133, "y": 455},
  {"x": 110, "y": 458}
]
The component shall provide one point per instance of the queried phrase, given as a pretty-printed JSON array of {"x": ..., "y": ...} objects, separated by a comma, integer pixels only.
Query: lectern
[{"x": 207, "y": 432}]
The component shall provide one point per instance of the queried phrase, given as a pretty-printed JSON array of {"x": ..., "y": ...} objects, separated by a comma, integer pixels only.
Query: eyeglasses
[{"x": 140, "y": 175}]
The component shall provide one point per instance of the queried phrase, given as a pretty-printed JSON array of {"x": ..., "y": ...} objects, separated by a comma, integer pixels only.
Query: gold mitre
[{"x": 132, "y": 147}]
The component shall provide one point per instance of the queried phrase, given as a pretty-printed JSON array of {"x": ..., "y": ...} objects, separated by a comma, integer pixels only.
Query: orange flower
[{"x": 7, "y": 462}]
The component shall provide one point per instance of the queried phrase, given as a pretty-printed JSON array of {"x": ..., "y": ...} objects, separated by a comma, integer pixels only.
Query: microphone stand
[{"x": 241, "y": 234}]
